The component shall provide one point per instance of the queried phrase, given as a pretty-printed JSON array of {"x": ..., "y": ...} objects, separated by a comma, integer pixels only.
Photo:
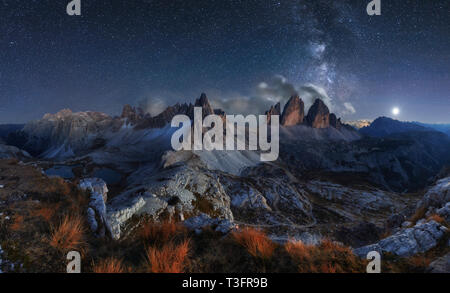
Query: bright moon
[{"x": 395, "y": 111}]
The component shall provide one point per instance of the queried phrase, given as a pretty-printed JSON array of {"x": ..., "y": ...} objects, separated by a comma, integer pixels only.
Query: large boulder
[
  {"x": 176, "y": 191},
  {"x": 407, "y": 242},
  {"x": 96, "y": 212},
  {"x": 293, "y": 112},
  {"x": 437, "y": 196}
]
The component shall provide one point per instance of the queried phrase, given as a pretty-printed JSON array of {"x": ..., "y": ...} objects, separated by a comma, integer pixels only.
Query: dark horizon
[{"x": 245, "y": 56}]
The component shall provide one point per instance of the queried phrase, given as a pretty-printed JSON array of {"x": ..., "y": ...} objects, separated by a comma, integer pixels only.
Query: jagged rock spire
[
  {"x": 293, "y": 112},
  {"x": 318, "y": 115},
  {"x": 274, "y": 110},
  {"x": 204, "y": 103}
]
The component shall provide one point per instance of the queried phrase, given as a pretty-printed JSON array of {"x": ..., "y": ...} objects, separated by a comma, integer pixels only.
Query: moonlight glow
[{"x": 395, "y": 111}]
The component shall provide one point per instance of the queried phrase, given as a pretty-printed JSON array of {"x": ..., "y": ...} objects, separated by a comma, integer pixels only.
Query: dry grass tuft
[
  {"x": 418, "y": 214},
  {"x": 327, "y": 257},
  {"x": 297, "y": 249},
  {"x": 18, "y": 223},
  {"x": 69, "y": 234},
  {"x": 109, "y": 266},
  {"x": 256, "y": 242},
  {"x": 437, "y": 218},
  {"x": 160, "y": 232},
  {"x": 418, "y": 261},
  {"x": 47, "y": 212},
  {"x": 170, "y": 258}
]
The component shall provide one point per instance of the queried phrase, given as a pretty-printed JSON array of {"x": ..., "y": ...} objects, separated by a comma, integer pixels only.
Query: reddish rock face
[
  {"x": 274, "y": 110},
  {"x": 318, "y": 115},
  {"x": 293, "y": 112}
]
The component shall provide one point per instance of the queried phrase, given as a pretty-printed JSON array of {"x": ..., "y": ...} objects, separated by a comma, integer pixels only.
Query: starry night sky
[{"x": 244, "y": 54}]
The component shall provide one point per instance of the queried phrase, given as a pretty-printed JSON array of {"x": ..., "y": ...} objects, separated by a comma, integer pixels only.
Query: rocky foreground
[{"x": 126, "y": 196}]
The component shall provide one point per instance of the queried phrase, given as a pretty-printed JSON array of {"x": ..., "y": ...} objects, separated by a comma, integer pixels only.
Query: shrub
[
  {"x": 109, "y": 266},
  {"x": 256, "y": 242},
  {"x": 170, "y": 258},
  {"x": 69, "y": 234}
]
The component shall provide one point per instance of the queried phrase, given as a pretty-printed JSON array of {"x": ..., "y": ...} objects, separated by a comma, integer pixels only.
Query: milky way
[{"x": 244, "y": 54}]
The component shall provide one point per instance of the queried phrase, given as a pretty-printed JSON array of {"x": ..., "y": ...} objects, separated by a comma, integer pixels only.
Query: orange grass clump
[
  {"x": 327, "y": 257},
  {"x": 46, "y": 213},
  {"x": 109, "y": 266},
  {"x": 69, "y": 234},
  {"x": 17, "y": 225},
  {"x": 160, "y": 232},
  {"x": 256, "y": 242},
  {"x": 437, "y": 219},
  {"x": 170, "y": 258}
]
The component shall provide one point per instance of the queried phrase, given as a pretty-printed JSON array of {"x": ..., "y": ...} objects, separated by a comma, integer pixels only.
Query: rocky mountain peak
[
  {"x": 318, "y": 115},
  {"x": 204, "y": 103},
  {"x": 61, "y": 114},
  {"x": 293, "y": 112},
  {"x": 335, "y": 122},
  {"x": 131, "y": 114},
  {"x": 274, "y": 110}
]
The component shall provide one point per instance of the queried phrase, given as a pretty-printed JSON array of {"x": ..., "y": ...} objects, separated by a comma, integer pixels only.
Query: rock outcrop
[
  {"x": 318, "y": 115},
  {"x": 436, "y": 197},
  {"x": 203, "y": 220},
  {"x": 7, "y": 151},
  {"x": 293, "y": 112},
  {"x": 96, "y": 212},
  {"x": 178, "y": 191},
  {"x": 407, "y": 242}
]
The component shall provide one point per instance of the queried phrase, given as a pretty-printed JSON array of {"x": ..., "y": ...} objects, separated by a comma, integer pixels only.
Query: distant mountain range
[
  {"x": 327, "y": 172},
  {"x": 445, "y": 128},
  {"x": 6, "y": 129},
  {"x": 384, "y": 126}
]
